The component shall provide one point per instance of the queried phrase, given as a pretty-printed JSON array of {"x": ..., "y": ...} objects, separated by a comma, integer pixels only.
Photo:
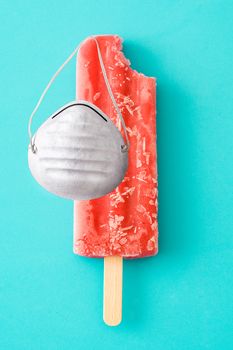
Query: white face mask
[{"x": 78, "y": 152}]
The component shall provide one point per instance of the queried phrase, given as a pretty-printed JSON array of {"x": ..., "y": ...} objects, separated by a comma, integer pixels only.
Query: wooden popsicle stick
[{"x": 112, "y": 303}]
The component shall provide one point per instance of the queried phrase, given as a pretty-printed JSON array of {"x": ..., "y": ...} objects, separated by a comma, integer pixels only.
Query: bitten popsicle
[{"x": 122, "y": 224}]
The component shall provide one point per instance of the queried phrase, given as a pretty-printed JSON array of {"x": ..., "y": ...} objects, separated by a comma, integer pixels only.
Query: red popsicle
[{"x": 124, "y": 222}]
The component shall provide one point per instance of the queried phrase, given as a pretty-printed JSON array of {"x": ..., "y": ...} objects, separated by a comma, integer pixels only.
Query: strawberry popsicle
[{"x": 124, "y": 222}]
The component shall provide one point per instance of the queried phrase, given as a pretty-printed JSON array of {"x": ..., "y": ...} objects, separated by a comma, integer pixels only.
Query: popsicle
[{"x": 122, "y": 224}]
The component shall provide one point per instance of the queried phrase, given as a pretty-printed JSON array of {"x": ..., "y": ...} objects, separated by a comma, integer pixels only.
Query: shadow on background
[{"x": 178, "y": 191}]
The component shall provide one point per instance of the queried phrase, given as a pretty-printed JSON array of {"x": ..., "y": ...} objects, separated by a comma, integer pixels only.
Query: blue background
[{"x": 180, "y": 299}]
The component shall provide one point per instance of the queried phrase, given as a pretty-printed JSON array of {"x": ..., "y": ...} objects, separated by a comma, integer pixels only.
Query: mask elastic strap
[
  {"x": 32, "y": 143},
  {"x": 125, "y": 147}
]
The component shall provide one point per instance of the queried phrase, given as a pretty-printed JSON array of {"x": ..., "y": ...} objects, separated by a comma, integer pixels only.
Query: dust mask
[{"x": 78, "y": 152}]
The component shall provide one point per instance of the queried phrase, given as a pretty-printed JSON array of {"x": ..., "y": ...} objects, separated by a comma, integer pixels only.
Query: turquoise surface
[{"x": 182, "y": 298}]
